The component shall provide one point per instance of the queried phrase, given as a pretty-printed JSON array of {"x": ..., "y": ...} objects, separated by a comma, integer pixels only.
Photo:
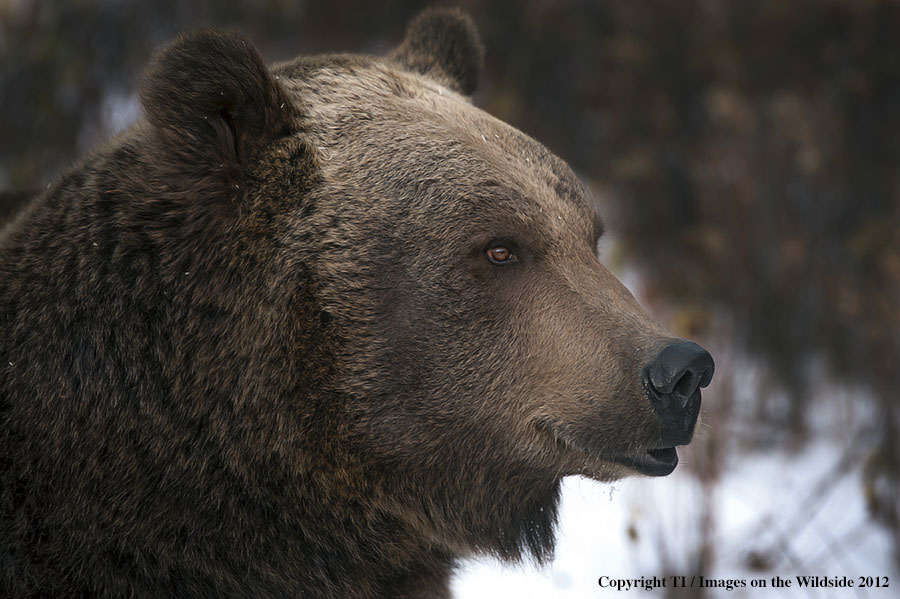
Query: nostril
[{"x": 686, "y": 385}]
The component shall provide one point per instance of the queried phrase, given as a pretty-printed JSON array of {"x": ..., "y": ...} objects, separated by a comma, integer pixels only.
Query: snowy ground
[{"x": 798, "y": 514}]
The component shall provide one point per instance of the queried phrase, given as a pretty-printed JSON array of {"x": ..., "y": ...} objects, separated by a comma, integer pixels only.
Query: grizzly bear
[{"x": 314, "y": 330}]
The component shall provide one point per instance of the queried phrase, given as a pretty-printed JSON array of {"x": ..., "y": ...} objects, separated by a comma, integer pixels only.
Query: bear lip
[{"x": 654, "y": 462}]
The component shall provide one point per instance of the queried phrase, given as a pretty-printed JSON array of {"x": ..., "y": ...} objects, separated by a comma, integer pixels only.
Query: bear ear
[
  {"x": 211, "y": 102},
  {"x": 444, "y": 44}
]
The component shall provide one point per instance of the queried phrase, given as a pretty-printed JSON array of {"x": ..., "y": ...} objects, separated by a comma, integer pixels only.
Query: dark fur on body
[{"x": 252, "y": 348}]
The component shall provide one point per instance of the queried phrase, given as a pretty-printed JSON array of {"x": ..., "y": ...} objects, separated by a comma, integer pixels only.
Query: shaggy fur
[{"x": 254, "y": 348}]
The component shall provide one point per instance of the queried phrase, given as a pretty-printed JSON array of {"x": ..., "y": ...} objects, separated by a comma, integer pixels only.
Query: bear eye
[{"x": 500, "y": 255}]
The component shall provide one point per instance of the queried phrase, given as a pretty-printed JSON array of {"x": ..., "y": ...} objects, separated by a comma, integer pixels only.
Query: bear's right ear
[
  {"x": 211, "y": 102},
  {"x": 443, "y": 44}
]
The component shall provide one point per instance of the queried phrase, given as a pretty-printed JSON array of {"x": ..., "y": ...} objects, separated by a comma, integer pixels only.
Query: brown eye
[{"x": 500, "y": 255}]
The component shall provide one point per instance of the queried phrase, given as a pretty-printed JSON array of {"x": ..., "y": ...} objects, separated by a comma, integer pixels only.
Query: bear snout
[{"x": 673, "y": 381}]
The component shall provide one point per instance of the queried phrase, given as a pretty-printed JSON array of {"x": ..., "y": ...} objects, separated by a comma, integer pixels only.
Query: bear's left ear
[
  {"x": 443, "y": 44},
  {"x": 211, "y": 101}
]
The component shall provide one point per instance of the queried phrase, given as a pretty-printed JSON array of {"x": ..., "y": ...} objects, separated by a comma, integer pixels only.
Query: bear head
[{"x": 477, "y": 350}]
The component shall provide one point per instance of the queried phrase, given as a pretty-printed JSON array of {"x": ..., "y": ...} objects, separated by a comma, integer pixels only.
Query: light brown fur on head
[{"x": 412, "y": 160}]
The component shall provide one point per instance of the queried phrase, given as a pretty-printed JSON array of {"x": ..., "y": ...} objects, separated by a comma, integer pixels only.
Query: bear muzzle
[{"x": 672, "y": 381}]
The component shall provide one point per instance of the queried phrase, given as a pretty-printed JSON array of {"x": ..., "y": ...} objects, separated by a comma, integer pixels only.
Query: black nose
[
  {"x": 673, "y": 379},
  {"x": 680, "y": 369}
]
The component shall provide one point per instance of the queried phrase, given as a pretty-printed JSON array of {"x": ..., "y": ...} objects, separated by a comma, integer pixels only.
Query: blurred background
[{"x": 745, "y": 154}]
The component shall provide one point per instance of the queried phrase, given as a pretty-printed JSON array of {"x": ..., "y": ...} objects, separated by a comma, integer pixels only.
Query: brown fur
[{"x": 253, "y": 347}]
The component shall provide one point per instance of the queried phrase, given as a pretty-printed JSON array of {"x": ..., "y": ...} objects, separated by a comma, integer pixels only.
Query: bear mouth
[{"x": 654, "y": 462}]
